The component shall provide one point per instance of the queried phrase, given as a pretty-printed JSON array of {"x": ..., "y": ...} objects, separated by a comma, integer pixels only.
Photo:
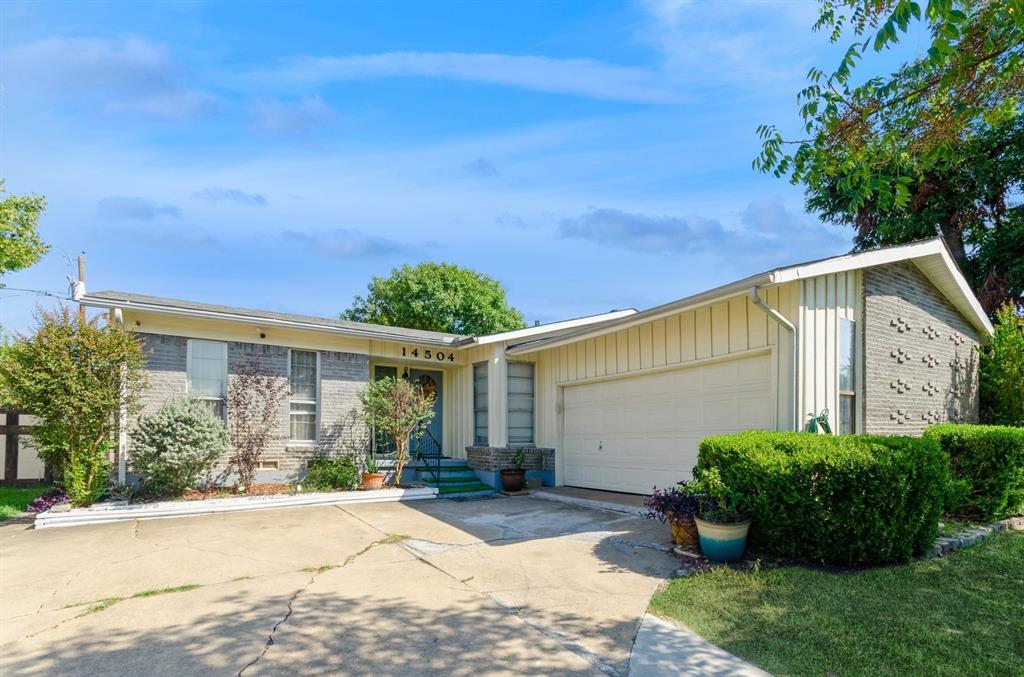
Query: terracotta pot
[
  {"x": 684, "y": 530},
  {"x": 513, "y": 480},
  {"x": 373, "y": 480}
]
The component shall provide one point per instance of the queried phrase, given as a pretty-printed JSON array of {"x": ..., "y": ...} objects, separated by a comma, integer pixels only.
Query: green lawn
[
  {"x": 959, "y": 615},
  {"x": 13, "y": 500}
]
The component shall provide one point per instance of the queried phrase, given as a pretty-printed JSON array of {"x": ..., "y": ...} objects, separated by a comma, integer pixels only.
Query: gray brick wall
[
  {"x": 921, "y": 360},
  {"x": 342, "y": 376},
  {"x": 500, "y": 458}
]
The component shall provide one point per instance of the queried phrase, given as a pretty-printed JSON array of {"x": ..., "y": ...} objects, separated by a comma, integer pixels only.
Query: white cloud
[
  {"x": 232, "y": 195},
  {"x": 343, "y": 243},
  {"x": 129, "y": 75},
  {"x": 134, "y": 208},
  {"x": 273, "y": 116},
  {"x": 579, "y": 77}
]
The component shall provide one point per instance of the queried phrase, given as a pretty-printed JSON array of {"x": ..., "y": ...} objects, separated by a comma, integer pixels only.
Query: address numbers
[{"x": 428, "y": 354}]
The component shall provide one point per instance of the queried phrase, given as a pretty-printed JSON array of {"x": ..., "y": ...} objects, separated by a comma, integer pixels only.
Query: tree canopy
[
  {"x": 20, "y": 245},
  {"x": 436, "y": 297},
  {"x": 936, "y": 148}
]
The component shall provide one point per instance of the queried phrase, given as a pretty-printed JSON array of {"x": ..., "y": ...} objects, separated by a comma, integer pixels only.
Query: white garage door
[{"x": 635, "y": 433}]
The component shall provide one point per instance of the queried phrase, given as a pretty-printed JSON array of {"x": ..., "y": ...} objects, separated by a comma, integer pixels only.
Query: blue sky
[{"x": 588, "y": 155}]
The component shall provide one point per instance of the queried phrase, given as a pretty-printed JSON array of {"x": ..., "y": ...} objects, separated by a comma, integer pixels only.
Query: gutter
[
  {"x": 261, "y": 321},
  {"x": 784, "y": 322}
]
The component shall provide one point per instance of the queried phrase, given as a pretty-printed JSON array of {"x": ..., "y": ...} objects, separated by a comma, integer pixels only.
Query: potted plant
[
  {"x": 721, "y": 524},
  {"x": 513, "y": 479},
  {"x": 372, "y": 477},
  {"x": 677, "y": 506}
]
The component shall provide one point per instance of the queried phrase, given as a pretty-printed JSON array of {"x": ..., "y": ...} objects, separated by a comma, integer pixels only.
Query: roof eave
[{"x": 94, "y": 302}]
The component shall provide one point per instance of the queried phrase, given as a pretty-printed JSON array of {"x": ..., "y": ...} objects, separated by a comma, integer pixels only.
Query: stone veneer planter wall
[{"x": 488, "y": 462}]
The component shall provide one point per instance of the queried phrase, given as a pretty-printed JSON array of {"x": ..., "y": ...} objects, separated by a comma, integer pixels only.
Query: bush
[
  {"x": 325, "y": 473},
  {"x": 177, "y": 445},
  {"x": 988, "y": 462},
  {"x": 1001, "y": 371},
  {"x": 851, "y": 499}
]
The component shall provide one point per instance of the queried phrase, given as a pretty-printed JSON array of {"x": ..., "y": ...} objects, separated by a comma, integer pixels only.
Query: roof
[
  {"x": 931, "y": 256},
  {"x": 548, "y": 329},
  {"x": 129, "y": 301}
]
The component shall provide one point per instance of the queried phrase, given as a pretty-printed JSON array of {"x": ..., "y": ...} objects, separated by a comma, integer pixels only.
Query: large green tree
[
  {"x": 935, "y": 148},
  {"x": 20, "y": 245},
  {"x": 436, "y": 297}
]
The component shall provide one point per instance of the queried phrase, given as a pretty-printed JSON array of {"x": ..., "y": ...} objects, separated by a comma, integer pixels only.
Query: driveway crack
[{"x": 389, "y": 539}]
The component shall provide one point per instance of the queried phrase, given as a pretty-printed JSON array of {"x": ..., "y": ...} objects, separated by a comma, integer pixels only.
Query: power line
[{"x": 41, "y": 292}]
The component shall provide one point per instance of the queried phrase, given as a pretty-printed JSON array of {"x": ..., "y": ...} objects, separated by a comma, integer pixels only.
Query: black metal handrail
[{"x": 430, "y": 453}]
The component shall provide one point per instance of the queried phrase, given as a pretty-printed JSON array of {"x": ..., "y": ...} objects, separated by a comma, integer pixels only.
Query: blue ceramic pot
[{"x": 723, "y": 542}]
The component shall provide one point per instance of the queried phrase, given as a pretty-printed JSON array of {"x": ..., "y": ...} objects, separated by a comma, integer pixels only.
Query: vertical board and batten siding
[
  {"x": 734, "y": 326},
  {"x": 824, "y": 300}
]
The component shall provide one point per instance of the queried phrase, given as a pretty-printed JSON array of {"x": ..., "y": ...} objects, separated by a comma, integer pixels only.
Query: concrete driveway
[{"x": 499, "y": 586}]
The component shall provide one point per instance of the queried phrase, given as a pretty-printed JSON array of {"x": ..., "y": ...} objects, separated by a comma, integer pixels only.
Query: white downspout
[
  {"x": 116, "y": 316},
  {"x": 783, "y": 321}
]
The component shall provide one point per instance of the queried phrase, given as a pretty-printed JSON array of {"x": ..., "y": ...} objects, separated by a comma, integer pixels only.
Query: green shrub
[
  {"x": 325, "y": 473},
  {"x": 176, "y": 446},
  {"x": 850, "y": 499},
  {"x": 989, "y": 460}
]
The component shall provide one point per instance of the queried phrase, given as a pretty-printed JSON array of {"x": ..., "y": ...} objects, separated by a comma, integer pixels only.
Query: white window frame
[
  {"x": 304, "y": 443},
  {"x": 486, "y": 407},
  {"x": 852, "y": 393},
  {"x": 533, "y": 408},
  {"x": 188, "y": 373}
]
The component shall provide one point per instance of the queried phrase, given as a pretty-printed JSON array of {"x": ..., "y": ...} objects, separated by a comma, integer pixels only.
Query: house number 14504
[{"x": 428, "y": 354}]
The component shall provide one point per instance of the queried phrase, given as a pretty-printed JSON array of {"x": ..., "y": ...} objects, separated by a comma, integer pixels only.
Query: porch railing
[{"x": 428, "y": 452}]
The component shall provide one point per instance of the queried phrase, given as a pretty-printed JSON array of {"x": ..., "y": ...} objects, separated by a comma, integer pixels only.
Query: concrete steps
[{"x": 455, "y": 478}]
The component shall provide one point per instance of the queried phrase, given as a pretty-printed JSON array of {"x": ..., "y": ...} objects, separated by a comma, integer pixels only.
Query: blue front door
[{"x": 430, "y": 441}]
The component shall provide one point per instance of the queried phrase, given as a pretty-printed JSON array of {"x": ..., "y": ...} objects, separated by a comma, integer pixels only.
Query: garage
[{"x": 631, "y": 434}]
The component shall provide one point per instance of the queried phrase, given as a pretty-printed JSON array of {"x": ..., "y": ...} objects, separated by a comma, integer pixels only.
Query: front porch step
[
  {"x": 448, "y": 473},
  {"x": 475, "y": 489}
]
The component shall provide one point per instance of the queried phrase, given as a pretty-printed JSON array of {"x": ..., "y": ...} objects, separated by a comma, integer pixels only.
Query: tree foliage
[
  {"x": 436, "y": 297},
  {"x": 178, "y": 445},
  {"x": 398, "y": 408},
  {"x": 77, "y": 378},
  {"x": 1001, "y": 372},
  {"x": 255, "y": 396},
  {"x": 20, "y": 246},
  {"x": 932, "y": 149}
]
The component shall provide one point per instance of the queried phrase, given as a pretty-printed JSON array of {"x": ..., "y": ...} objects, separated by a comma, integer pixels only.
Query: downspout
[{"x": 784, "y": 322}]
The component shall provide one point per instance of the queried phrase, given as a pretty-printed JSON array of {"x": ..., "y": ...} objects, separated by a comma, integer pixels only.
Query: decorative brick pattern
[
  {"x": 342, "y": 376},
  {"x": 905, "y": 391}
]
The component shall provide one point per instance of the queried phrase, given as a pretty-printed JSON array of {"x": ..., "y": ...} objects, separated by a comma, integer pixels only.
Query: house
[{"x": 882, "y": 342}]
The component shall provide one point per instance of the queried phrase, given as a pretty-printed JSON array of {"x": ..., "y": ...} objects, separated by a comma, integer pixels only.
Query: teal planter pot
[{"x": 723, "y": 542}]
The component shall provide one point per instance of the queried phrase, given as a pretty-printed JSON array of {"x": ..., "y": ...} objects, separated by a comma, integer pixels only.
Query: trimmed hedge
[
  {"x": 989, "y": 461},
  {"x": 324, "y": 473},
  {"x": 851, "y": 499}
]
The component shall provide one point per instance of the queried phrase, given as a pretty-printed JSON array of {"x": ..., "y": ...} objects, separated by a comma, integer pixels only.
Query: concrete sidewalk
[{"x": 664, "y": 649}]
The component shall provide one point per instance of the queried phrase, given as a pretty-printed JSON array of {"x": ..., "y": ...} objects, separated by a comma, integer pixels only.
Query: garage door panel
[{"x": 634, "y": 433}]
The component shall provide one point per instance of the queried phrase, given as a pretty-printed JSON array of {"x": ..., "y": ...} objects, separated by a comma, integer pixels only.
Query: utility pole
[{"x": 81, "y": 285}]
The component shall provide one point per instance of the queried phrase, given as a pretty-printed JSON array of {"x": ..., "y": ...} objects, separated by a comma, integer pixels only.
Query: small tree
[
  {"x": 255, "y": 396},
  {"x": 176, "y": 446},
  {"x": 76, "y": 377},
  {"x": 399, "y": 408},
  {"x": 1002, "y": 371}
]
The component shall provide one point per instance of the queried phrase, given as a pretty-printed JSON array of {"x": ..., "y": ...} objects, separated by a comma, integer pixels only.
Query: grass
[
  {"x": 951, "y": 526},
  {"x": 956, "y": 615},
  {"x": 14, "y": 500},
  {"x": 107, "y": 602}
]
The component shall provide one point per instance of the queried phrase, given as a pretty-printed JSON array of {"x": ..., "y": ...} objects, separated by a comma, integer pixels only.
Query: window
[
  {"x": 302, "y": 380},
  {"x": 847, "y": 378},
  {"x": 207, "y": 373},
  {"x": 520, "y": 403},
  {"x": 480, "y": 436}
]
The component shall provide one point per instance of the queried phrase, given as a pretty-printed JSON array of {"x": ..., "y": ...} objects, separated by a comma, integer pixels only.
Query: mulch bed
[{"x": 268, "y": 489}]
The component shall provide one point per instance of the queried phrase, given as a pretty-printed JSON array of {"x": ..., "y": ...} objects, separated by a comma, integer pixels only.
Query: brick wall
[
  {"x": 921, "y": 363},
  {"x": 500, "y": 458},
  {"x": 342, "y": 376}
]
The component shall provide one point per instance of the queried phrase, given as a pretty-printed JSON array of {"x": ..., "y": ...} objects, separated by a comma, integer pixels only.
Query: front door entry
[{"x": 430, "y": 441}]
